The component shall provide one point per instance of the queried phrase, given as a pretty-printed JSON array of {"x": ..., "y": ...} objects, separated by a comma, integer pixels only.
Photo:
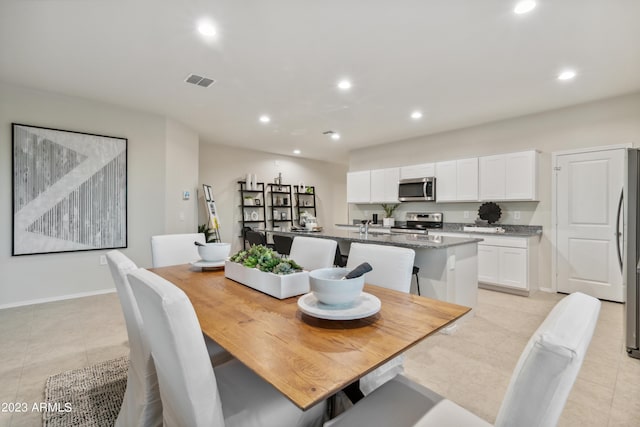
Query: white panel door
[{"x": 588, "y": 187}]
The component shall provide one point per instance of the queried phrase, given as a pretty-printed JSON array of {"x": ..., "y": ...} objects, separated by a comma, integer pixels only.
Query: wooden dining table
[{"x": 305, "y": 358}]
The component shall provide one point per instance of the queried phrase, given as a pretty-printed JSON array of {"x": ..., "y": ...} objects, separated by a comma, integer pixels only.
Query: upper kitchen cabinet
[
  {"x": 457, "y": 180},
  {"x": 358, "y": 187},
  {"x": 512, "y": 176},
  {"x": 384, "y": 185},
  {"x": 423, "y": 170},
  {"x": 375, "y": 186}
]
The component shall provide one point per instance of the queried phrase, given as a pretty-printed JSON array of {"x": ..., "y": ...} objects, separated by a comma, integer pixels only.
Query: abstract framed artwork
[{"x": 69, "y": 191}]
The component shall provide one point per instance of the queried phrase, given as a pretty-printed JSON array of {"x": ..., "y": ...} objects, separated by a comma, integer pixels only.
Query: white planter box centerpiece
[{"x": 277, "y": 285}]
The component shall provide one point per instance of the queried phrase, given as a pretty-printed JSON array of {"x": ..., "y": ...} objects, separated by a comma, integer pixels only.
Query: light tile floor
[{"x": 471, "y": 367}]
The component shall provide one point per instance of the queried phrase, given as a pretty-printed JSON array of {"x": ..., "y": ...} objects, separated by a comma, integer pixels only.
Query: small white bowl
[
  {"x": 327, "y": 287},
  {"x": 214, "y": 251}
]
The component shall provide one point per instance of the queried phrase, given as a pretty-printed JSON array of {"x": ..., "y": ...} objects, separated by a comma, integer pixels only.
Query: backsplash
[{"x": 454, "y": 212}]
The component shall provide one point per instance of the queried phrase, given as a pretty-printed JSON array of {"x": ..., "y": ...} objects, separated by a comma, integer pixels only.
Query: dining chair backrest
[
  {"x": 187, "y": 381},
  {"x": 141, "y": 405},
  {"x": 282, "y": 244},
  {"x": 392, "y": 265},
  {"x": 535, "y": 397},
  {"x": 174, "y": 249},
  {"x": 549, "y": 364},
  {"x": 255, "y": 238},
  {"x": 312, "y": 253}
]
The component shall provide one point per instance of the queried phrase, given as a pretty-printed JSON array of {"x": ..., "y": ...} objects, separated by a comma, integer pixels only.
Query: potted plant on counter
[{"x": 388, "y": 220}]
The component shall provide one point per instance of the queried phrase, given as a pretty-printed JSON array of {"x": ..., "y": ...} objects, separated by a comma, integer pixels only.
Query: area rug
[{"x": 88, "y": 397}]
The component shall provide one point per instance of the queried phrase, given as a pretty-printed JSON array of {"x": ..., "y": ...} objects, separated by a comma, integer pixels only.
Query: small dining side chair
[
  {"x": 312, "y": 253},
  {"x": 392, "y": 269}
]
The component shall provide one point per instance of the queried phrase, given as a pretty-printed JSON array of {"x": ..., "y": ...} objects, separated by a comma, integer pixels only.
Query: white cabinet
[
  {"x": 423, "y": 170},
  {"x": 512, "y": 176},
  {"x": 487, "y": 263},
  {"x": 358, "y": 187},
  {"x": 506, "y": 263},
  {"x": 513, "y": 267},
  {"x": 467, "y": 180},
  {"x": 446, "y": 181},
  {"x": 375, "y": 186},
  {"x": 384, "y": 185},
  {"x": 457, "y": 180}
]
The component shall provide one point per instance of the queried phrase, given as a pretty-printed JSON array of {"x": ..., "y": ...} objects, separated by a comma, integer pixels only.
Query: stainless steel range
[{"x": 420, "y": 222}]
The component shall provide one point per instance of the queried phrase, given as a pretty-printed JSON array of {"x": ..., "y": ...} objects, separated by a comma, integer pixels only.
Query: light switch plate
[
  {"x": 186, "y": 195},
  {"x": 516, "y": 215}
]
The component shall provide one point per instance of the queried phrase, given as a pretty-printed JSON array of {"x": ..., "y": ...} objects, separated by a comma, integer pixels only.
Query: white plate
[
  {"x": 364, "y": 306},
  {"x": 254, "y": 215},
  {"x": 207, "y": 264}
]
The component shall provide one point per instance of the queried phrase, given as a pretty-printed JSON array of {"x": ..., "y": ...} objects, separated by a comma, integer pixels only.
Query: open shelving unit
[
  {"x": 252, "y": 215},
  {"x": 305, "y": 200},
  {"x": 281, "y": 204}
]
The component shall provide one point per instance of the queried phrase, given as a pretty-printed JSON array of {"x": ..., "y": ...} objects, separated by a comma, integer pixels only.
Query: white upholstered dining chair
[
  {"x": 312, "y": 253},
  {"x": 141, "y": 405},
  {"x": 174, "y": 249},
  {"x": 193, "y": 393},
  {"x": 392, "y": 265},
  {"x": 392, "y": 269},
  {"x": 535, "y": 397}
]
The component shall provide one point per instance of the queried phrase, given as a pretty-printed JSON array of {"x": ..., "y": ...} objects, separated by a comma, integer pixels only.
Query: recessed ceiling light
[
  {"x": 525, "y": 6},
  {"x": 567, "y": 75},
  {"x": 416, "y": 115},
  {"x": 344, "y": 84},
  {"x": 335, "y": 136},
  {"x": 207, "y": 29},
  {"x": 296, "y": 151},
  {"x": 264, "y": 119}
]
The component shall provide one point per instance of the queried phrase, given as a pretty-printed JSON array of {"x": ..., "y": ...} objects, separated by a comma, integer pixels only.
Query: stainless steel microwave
[{"x": 417, "y": 190}]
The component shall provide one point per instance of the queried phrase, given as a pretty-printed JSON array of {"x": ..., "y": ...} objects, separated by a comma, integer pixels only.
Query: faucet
[{"x": 364, "y": 228}]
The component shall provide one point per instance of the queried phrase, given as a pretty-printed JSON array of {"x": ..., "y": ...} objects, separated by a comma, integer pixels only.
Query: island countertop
[{"x": 414, "y": 241}]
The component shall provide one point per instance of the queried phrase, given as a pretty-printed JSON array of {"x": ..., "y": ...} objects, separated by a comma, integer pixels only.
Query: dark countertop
[
  {"x": 414, "y": 241},
  {"x": 512, "y": 230}
]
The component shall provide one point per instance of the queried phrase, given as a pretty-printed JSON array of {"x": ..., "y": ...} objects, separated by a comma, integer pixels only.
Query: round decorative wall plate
[{"x": 490, "y": 212}]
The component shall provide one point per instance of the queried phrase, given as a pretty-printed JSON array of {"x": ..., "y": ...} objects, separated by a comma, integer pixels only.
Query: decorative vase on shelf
[
  {"x": 254, "y": 182},
  {"x": 388, "y": 222},
  {"x": 248, "y": 183}
]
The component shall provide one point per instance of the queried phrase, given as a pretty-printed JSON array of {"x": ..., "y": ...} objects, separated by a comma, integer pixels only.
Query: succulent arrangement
[{"x": 265, "y": 259}]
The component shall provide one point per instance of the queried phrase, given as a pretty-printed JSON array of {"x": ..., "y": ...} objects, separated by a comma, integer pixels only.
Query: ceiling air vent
[{"x": 199, "y": 80}]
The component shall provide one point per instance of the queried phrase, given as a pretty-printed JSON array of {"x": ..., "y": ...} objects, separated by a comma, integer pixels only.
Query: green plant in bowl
[{"x": 265, "y": 259}]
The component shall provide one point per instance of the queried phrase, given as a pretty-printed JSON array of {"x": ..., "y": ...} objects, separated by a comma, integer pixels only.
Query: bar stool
[{"x": 415, "y": 272}]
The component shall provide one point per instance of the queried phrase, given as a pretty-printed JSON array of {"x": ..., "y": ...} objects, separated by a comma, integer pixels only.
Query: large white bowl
[
  {"x": 214, "y": 251},
  {"x": 327, "y": 287}
]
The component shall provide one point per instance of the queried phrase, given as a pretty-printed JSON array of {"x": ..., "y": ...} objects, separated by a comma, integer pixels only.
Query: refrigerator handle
[{"x": 618, "y": 232}]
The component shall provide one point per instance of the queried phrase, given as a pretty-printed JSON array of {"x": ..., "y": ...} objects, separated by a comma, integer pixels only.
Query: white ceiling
[{"x": 462, "y": 62}]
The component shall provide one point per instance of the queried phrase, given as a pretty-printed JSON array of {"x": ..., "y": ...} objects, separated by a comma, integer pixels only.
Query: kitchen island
[{"x": 448, "y": 265}]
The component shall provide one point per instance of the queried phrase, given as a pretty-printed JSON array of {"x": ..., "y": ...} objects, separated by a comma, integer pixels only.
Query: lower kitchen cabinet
[{"x": 506, "y": 263}]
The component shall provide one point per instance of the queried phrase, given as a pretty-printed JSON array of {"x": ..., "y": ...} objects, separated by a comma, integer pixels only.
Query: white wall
[
  {"x": 51, "y": 276},
  {"x": 181, "y": 174},
  {"x": 222, "y": 167},
  {"x": 606, "y": 122}
]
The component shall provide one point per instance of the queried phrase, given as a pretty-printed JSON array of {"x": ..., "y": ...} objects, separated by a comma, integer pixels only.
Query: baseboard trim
[{"x": 58, "y": 298}]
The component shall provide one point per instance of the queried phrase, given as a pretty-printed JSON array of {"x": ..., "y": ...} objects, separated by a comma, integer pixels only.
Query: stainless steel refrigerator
[{"x": 629, "y": 250}]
